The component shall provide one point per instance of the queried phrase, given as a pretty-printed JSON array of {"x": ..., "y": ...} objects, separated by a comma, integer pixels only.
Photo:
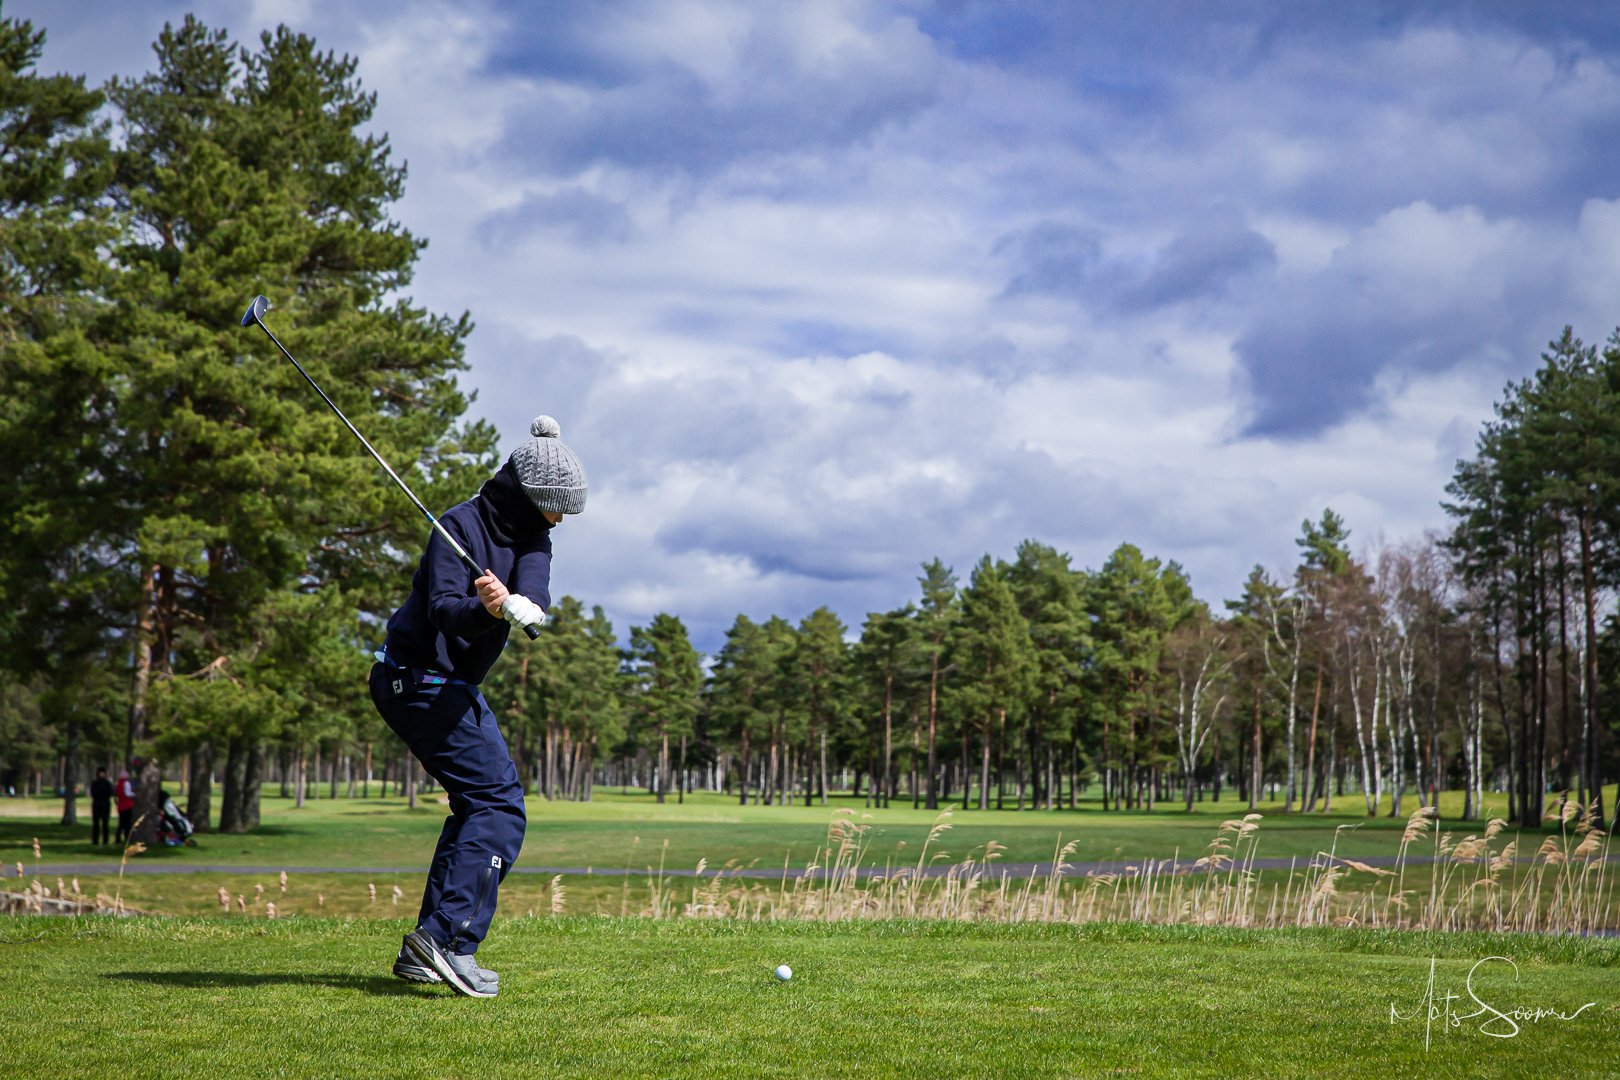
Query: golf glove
[{"x": 522, "y": 612}]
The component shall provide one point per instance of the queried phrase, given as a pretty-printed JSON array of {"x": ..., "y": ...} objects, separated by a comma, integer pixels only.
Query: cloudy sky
[{"x": 822, "y": 290}]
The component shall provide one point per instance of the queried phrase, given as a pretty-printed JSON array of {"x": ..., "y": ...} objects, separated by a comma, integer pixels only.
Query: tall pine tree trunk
[
  {"x": 663, "y": 762},
  {"x": 70, "y": 770},
  {"x": 1308, "y": 796},
  {"x": 199, "y": 800},
  {"x": 886, "y": 789},
  {"x": 1589, "y": 676},
  {"x": 821, "y": 780},
  {"x": 932, "y": 802},
  {"x": 984, "y": 768},
  {"x": 145, "y": 627},
  {"x": 252, "y": 781}
]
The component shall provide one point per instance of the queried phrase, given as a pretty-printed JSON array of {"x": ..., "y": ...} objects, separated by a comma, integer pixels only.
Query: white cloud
[{"x": 760, "y": 259}]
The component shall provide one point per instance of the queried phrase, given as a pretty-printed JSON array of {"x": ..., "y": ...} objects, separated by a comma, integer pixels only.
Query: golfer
[{"x": 441, "y": 643}]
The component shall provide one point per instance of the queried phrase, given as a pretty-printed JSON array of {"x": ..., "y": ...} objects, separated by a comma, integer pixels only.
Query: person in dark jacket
[
  {"x": 440, "y": 644},
  {"x": 101, "y": 797}
]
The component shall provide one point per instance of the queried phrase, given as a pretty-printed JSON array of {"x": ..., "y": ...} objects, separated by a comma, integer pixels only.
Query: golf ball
[{"x": 784, "y": 973}]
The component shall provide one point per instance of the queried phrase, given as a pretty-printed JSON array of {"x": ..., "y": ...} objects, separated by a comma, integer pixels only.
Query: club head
[{"x": 255, "y": 311}]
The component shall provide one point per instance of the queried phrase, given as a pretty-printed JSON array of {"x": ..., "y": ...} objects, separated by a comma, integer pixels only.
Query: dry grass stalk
[
  {"x": 559, "y": 896},
  {"x": 133, "y": 848},
  {"x": 1471, "y": 885}
]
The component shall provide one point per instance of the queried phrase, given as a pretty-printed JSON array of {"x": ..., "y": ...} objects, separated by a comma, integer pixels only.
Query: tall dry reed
[{"x": 1477, "y": 882}]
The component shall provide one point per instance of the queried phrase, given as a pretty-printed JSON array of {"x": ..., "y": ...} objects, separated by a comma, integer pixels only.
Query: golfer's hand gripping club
[
  {"x": 522, "y": 612},
  {"x": 515, "y": 608}
]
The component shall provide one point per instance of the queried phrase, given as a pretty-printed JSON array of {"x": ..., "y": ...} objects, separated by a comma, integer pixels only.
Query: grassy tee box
[{"x": 637, "y": 997}]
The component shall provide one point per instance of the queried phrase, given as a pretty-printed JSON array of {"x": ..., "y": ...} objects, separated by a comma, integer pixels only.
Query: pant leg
[
  {"x": 453, "y": 733},
  {"x": 126, "y": 820},
  {"x": 99, "y": 822},
  {"x": 433, "y": 892}
]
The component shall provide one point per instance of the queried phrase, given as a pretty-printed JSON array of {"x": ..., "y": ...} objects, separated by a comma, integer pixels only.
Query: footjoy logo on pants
[
  {"x": 399, "y": 686},
  {"x": 495, "y": 861}
]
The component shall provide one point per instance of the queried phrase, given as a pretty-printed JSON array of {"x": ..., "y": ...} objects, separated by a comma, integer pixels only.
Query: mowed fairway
[
  {"x": 338, "y": 849},
  {"x": 615, "y": 997},
  {"x": 617, "y": 831}
]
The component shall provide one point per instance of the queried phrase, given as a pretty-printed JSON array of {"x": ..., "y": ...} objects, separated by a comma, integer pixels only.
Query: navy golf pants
[{"x": 452, "y": 732}]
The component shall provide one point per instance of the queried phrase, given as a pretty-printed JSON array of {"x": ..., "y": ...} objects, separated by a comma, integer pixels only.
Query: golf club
[{"x": 255, "y": 315}]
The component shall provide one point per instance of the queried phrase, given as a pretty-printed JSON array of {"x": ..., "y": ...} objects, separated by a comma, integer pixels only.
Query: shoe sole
[
  {"x": 416, "y": 974},
  {"x": 428, "y": 952}
]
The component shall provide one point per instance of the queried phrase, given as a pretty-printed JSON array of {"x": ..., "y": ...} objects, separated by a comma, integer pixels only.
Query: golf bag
[{"x": 174, "y": 828}]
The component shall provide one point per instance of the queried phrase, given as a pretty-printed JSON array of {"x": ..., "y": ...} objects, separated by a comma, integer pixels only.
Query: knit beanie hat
[{"x": 549, "y": 471}]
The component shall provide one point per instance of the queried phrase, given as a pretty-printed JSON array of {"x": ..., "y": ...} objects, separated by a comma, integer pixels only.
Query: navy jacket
[{"x": 442, "y": 625}]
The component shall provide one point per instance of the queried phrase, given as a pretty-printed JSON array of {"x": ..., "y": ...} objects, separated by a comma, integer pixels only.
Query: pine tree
[
  {"x": 245, "y": 171},
  {"x": 739, "y": 696},
  {"x": 1134, "y": 604},
  {"x": 936, "y": 616},
  {"x": 820, "y": 657},
  {"x": 991, "y": 649},
  {"x": 1250, "y": 618},
  {"x": 888, "y": 663},
  {"x": 59, "y": 574},
  {"x": 565, "y": 688},
  {"x": 1324, "y": 559},
  {"x": 668, "y": 679},
  {"x": 1050, "y": 597}
]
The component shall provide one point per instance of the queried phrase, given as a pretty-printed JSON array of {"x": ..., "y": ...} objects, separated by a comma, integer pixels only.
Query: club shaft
[{"x": 409, "y": 494}]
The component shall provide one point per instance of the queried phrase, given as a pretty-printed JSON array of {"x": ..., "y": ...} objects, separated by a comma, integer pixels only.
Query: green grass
[
  {"x": 616, "y": 997},
  {"x": 633, "y": 831},
  {"x": 636, "y": 833}
]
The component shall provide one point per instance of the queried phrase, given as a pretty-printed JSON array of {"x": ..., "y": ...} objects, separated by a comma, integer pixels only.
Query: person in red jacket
[{"x": 124, "y": 797}]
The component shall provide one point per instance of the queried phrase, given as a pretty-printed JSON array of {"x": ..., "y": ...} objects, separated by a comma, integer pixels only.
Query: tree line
[{"x": 198, "y": 563}]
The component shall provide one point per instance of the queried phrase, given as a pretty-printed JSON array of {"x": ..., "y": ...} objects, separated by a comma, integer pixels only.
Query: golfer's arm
[
  {"x": 531, "y": 577},
  {"x": 449, "y": 606}
]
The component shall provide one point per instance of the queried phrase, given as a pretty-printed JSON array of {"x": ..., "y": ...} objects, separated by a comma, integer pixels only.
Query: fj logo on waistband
[
  {"x": 495, "y": 861},
  {"x": 399, "y": 686}
]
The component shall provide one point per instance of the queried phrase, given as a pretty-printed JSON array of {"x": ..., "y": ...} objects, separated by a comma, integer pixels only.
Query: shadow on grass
[
  {"x": 71, "y": 843},
  {"x": 225, "y": 980}
]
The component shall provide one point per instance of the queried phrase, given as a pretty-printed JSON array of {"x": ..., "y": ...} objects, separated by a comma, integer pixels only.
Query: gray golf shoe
[
  {"x": 460, "y": 972},
  {"x": 408, "y": 967}
]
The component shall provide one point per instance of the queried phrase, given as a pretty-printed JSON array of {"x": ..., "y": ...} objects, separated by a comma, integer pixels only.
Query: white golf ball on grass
[{"x": 784, "y": 972}]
